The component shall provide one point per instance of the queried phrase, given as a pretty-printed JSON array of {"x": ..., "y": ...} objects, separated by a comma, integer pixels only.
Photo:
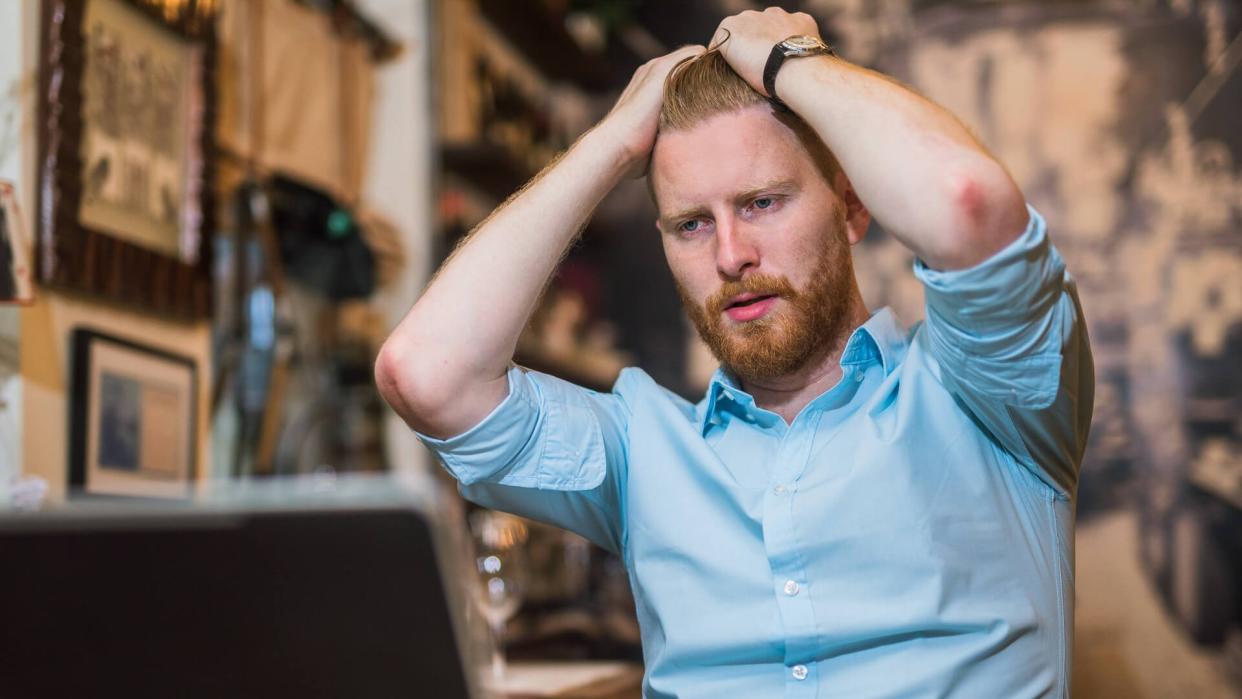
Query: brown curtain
[{"x": 294, "y": 96}]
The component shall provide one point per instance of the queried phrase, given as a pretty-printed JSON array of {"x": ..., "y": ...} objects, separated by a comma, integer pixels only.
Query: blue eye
[
  {"x": 764, "y": 202},
  {"x": 689, "y": 226}
]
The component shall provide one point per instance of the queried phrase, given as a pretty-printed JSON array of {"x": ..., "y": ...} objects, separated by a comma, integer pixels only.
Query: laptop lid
[{"x": 336, "y": 592}]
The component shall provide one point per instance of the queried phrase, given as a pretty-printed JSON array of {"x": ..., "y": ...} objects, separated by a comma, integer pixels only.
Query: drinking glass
[{"x": 499, "y": 545}]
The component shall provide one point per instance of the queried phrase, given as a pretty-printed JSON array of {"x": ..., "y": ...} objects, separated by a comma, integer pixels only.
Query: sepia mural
[{"x": 1123, "y": 125}]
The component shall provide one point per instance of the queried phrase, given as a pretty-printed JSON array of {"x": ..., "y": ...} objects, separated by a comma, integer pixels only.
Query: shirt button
[
  {"x": 791, "y": 588},
  {"x": 779, "y": 490},
  {"x": 799, "y": 672},
  {"x": 860, "y": 376}
]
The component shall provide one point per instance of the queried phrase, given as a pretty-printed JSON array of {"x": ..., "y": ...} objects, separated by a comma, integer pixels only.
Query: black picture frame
[
  {"x": 87, "y": 257},
  {"x": 133, "y": 419}
]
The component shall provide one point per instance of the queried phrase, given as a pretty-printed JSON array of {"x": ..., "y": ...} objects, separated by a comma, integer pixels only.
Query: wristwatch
[{"x": 796, "y": 46}]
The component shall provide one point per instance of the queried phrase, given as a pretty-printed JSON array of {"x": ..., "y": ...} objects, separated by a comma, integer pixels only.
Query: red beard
[{"x": 803, "y": 324}]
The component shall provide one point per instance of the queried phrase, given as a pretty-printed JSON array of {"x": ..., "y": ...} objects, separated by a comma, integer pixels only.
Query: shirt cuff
[
  {"x": 483, "y": 450},
  {"x": 544, "y": 434},
  {"x": 1019, "y": 283}
]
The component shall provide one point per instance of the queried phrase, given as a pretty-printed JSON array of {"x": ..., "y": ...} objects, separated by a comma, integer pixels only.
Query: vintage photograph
[
  {"x": 137, "y": 87},
  {"x": 125, "y": 155},
  {"x": 133, "y": 413}
]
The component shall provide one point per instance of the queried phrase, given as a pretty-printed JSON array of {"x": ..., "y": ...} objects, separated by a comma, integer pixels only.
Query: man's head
[{"x": 752, "y": 204}]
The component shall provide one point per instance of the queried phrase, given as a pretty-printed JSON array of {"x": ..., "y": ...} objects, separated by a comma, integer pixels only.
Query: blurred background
[{"x": 239, "y": 199}]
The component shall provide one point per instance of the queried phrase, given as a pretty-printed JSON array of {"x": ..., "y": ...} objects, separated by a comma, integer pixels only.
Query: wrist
[
  {"x": 798, "y": 76},
  {"x": 625, "y": 147},
  {"x": 621, "y": 150}
]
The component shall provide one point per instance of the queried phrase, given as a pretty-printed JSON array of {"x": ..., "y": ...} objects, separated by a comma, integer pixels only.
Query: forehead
[{"x": 723, "y": 156}]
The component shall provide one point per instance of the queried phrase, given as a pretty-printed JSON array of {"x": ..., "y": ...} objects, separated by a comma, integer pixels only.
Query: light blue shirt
[{"x": 909, "y": 534}]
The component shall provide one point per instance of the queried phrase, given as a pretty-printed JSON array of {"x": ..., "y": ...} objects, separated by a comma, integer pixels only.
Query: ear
[{"x": 857, "y": 218}]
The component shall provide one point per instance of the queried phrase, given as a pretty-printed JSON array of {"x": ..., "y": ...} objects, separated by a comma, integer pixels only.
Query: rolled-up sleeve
[
  {"x": 1010, "y": 341},
  {"x": 551, "y": 450}
]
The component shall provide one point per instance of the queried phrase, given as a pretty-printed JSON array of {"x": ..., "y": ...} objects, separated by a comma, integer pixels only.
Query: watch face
[{"x": 801, "y": 44}]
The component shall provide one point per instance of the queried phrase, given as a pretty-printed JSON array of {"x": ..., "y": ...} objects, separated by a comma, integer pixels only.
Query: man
[{"x": 853, "y": 510}]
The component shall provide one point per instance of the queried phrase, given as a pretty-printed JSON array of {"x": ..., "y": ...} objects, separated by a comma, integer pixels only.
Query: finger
[
  {"x": 639, "y": 75},
  {"x": 719, "y": 38},
  {"x": 807, "y": 21},
  {"x": 684, "y": 52},
  {"x": 670, "y": 61}
]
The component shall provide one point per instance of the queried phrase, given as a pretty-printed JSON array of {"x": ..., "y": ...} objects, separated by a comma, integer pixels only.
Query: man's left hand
[{"x": 751, "y": 36}]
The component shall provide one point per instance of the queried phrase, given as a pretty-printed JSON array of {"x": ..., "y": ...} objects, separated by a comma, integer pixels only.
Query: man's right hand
[{"x": 633, "y": 121}]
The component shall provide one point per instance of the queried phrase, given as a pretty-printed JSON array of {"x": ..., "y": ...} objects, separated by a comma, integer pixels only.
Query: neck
[{"x": 787, "y": 395}]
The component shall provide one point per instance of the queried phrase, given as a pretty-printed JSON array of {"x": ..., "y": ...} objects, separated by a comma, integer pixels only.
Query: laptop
[{"x": 338, "y": 588}]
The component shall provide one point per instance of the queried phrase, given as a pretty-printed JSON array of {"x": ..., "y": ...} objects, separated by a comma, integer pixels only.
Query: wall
[
  {"x": 46, "y": 324},
  {"x": 45, "y": 373},
  {"x": 398, "y": 182},
  {"x": 1120, "y": 123},
  {"x": 1088, "y": 108},
  {"x": 398, "y": 186}
]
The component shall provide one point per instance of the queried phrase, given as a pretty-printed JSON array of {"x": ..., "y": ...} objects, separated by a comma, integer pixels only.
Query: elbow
[
  {"x": 387, "y": 374},
  {"x": 390, "y": 381},
  {"x": 987, "y": 213},
  {"x": 406, "y": 385},
  {"x": 434, "y": 392}
]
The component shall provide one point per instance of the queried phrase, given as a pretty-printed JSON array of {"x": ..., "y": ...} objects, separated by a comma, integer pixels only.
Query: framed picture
[
  {"x": 15, "y": 281},
  {"x": 132, "y": 419},
  {"x": 125, "y": 202}
]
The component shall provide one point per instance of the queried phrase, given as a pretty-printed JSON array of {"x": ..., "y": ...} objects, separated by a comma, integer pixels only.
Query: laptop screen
[{"x": 340, "y": 601}]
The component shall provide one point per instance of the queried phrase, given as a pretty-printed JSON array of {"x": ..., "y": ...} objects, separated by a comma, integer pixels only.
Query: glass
[{"x": 500, "y": 562}]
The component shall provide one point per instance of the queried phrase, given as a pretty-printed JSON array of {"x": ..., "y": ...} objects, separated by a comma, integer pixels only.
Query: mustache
[{"x": 761, "y": 284}]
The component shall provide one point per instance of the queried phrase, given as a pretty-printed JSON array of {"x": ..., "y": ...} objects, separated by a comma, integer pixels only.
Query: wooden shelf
[
  {"x": 488, "y": 166},
  {"x": 495, "y": 171},
  {"x": 541, "y": 37}
]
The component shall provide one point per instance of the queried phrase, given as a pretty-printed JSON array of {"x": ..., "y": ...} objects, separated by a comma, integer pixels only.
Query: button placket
[{"x": 784, "y": 548}]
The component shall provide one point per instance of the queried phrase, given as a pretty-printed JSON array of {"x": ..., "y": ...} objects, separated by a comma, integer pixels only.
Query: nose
[{"x": 735, "y": 250}]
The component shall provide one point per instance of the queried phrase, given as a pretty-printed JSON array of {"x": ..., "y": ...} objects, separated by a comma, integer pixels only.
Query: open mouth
[
  {"x": 749, "y": 301},
  {"x": 750, "y": 307}
]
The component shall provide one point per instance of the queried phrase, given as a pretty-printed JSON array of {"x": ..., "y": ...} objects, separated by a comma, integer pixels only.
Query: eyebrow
[
  {"x": 667, "y": 222},
  {"x": 782, "y": 185}
]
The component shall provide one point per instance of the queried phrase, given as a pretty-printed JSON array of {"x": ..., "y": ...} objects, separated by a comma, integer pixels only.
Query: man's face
[{"x": 757, "y": 241}]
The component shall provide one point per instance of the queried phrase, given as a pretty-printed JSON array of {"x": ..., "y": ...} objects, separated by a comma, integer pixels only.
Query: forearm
[
  {"x": 919, "y": 171},
  {"x": 443, "y": 367}
]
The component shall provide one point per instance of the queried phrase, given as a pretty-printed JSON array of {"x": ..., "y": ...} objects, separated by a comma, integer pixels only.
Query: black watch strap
[{"x": 775, "y": 60}]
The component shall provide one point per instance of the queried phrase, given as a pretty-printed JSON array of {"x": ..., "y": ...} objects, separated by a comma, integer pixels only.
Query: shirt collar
[
  {"x": 881, "y": 335},
  {"x": 880, "y": 338}
]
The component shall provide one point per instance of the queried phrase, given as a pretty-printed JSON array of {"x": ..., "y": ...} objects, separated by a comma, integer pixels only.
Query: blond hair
[
  {"x": 701, "y": 87},
  {"x": 704, "y": 86}
]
